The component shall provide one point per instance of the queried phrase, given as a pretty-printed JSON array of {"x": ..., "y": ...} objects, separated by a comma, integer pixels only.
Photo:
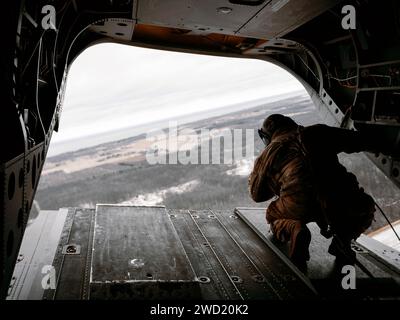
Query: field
[{"x": 118, "y": 172}]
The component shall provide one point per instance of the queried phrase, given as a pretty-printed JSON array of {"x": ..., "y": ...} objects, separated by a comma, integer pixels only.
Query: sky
[{"x": 113, "y": 86}]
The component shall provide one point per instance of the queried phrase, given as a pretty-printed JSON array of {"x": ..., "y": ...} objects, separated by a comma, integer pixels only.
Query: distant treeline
[{"x": 114, "y": 183}]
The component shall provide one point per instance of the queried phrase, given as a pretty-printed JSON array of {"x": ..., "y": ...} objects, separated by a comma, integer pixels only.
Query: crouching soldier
[{"x": 299, "y": 166}]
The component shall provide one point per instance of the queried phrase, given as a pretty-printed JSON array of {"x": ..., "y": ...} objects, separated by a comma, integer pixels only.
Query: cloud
[{"x": 113, "y": 86}]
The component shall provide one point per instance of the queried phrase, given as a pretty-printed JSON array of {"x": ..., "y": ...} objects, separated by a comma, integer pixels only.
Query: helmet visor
[{"x": 264, "y": 137}]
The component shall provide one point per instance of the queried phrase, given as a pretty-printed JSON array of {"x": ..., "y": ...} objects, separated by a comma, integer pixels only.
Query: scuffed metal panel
[
  {"x": 322, "y": 270},
  {"x": 280, "y": 274},
  {"x": 72, "y": 270},
  {"x": 138, "y": 254},
  {"x": 237, "y": 261},
  {"x": 279, "y": 17},
  {"x": 216, "y": 282},
  {"x": 200, "y": 16},
  {"x": 249, "y": 267},
  {"x": 37, "y": 252},
  {"x": 388, "y": 255}
]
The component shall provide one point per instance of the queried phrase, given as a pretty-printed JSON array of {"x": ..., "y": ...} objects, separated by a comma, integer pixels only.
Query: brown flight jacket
[{"x": 301, "y": 169}]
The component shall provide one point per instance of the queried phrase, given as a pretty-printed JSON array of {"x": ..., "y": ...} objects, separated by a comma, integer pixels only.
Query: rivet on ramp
[
  {"x": 203, "y": 279},
  {"x": 236, "y": 279},
  {"x": 71, "y": 249}
]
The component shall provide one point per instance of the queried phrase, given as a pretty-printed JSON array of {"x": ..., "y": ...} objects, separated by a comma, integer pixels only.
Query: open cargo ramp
[{"x": 136, "y": 252}]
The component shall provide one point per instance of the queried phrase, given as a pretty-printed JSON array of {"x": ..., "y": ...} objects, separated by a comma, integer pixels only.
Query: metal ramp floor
[
  {"x": 133, "y": 252},
  {"x": 382, "y": 262}
]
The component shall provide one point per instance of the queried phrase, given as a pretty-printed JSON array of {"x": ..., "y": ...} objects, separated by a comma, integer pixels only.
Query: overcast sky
[{"x": 113, "y": 86}]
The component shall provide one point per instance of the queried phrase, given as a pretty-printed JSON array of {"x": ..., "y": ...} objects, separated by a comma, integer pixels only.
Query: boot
[
  {"x": 299, "y": 253},
  {"x": 341, "y": 249}
]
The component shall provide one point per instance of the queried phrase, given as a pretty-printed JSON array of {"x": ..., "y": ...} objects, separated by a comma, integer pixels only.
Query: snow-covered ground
[
  {"x": 243, "y": 167},
  {"x": 156, "y": 198}
]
